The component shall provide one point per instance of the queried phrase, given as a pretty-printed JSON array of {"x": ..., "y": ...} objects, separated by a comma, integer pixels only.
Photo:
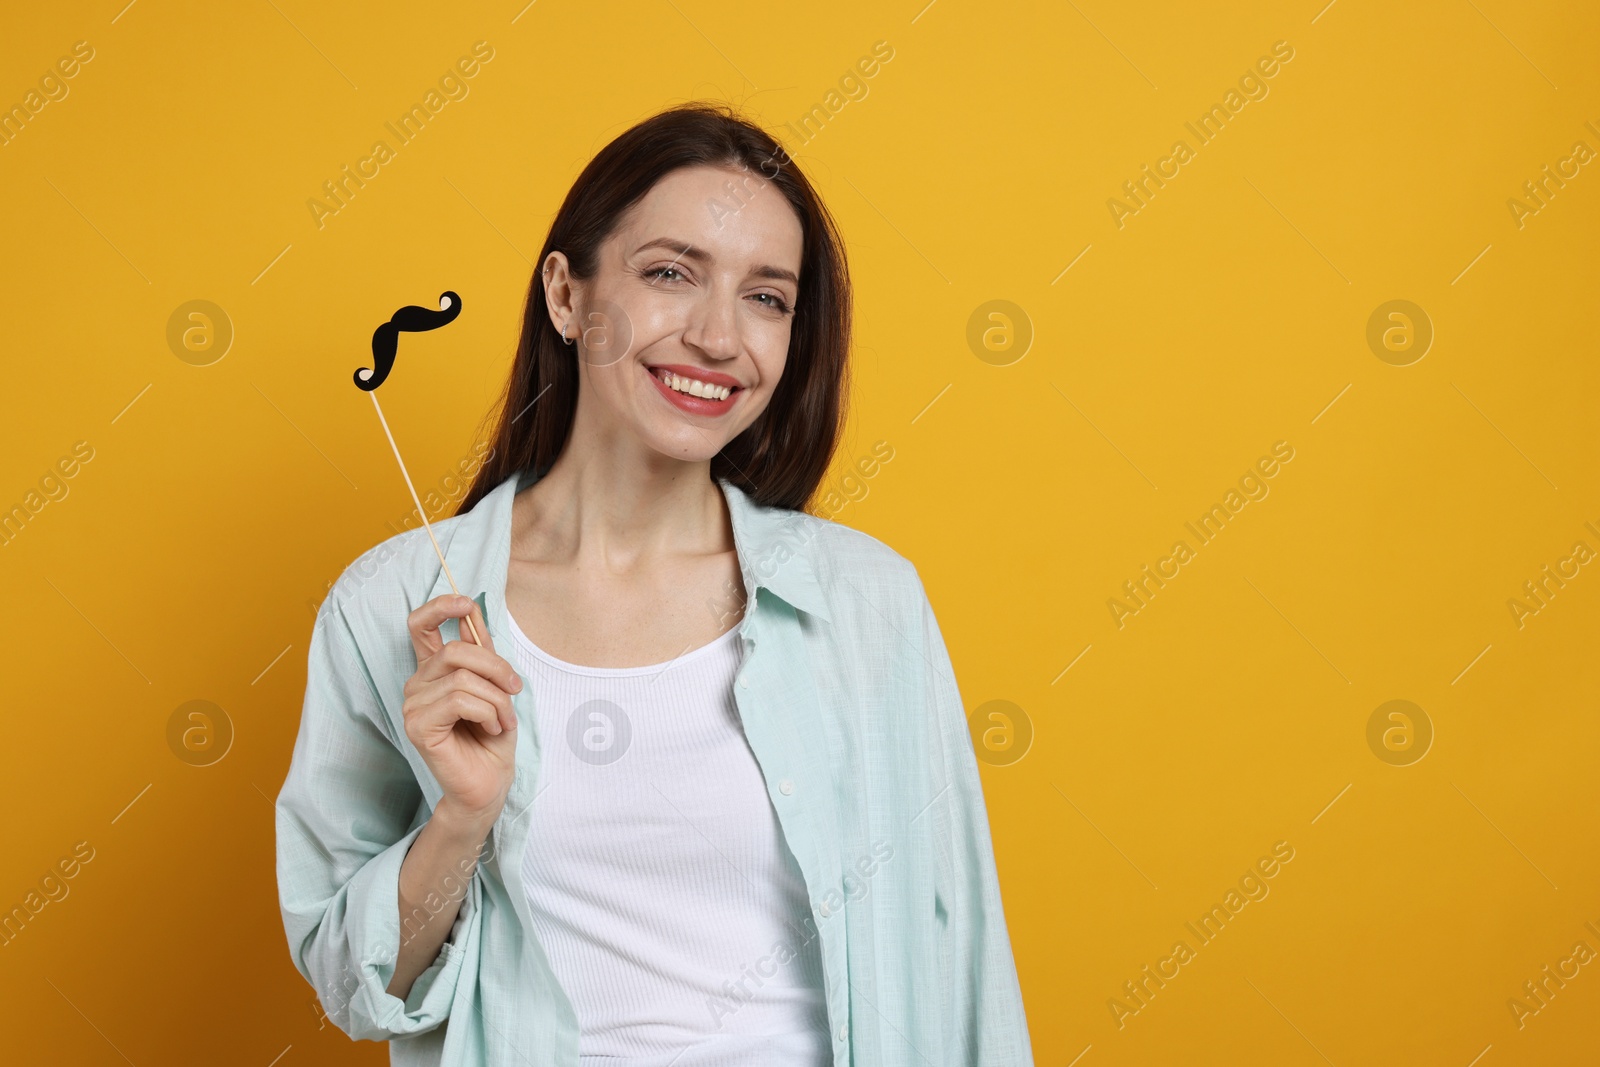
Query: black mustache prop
[{"x": 386, "y": 338}]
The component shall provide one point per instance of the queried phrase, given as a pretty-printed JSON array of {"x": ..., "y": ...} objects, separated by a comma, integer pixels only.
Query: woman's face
[{"x": 683, "y": 332}]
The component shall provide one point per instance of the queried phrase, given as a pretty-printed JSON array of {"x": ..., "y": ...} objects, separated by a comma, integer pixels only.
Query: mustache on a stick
[
  {"x": 386, "y": 338},
  {"x": 385, "y": 343}
]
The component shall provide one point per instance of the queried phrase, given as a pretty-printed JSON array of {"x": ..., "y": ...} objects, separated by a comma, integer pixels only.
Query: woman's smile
[{"x": 694, "y": 390}]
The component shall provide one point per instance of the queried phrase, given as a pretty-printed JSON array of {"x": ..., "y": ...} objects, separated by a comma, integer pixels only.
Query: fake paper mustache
[{"x": 386, "y": 338}]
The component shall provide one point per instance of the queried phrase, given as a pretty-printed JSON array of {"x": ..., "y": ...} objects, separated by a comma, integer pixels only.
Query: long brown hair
[{"x": 781, "y": 458}]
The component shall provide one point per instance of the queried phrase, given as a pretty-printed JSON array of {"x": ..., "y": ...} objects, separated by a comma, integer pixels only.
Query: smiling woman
[
  {"x": 634, "y": 268},
  {"x": 620, "y": 830},
  {"x": 659, "y": 278}
]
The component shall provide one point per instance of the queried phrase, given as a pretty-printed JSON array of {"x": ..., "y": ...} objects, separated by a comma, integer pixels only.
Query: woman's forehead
[{"x": 729, "y": 213}]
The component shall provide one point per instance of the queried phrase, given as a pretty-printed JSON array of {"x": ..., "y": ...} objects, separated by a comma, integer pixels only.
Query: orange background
[{"x": 1028, "y": 482}]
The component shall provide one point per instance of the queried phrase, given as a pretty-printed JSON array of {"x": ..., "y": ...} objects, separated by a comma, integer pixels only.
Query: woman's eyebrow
[
  {"x": 684, "y": 250},
  {"x": 776, "y": 273}
]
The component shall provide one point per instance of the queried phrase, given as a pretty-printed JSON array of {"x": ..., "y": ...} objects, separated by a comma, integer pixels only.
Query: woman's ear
[{"x": 559, "y": 297}]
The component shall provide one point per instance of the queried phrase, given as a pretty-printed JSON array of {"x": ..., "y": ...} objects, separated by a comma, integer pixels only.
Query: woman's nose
[{"x": 714, "y": 326}]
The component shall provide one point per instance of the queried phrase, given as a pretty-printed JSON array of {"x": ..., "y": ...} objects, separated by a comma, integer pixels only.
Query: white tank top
[{"x": 661, "y": 888}]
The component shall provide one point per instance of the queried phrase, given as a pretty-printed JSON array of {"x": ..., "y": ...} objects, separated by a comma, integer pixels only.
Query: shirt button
[
  {"x": 786, "y": 787},
  {"x": 744, "y": 682},
  {"x": 844, "y": 1032},
  {"x": 823, "y": 910}
]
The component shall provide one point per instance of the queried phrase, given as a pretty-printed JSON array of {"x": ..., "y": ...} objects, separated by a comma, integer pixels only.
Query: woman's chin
[
  {"x": 691, "y": 444},
  {"x": 687, "y": 450}
]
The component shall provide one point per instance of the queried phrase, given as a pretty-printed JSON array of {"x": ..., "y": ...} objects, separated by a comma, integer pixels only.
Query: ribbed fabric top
[{"x": 662, "y": 890}]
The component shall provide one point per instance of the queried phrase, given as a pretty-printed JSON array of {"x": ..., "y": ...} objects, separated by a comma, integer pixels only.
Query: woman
[{"x": 719, "y": 805}]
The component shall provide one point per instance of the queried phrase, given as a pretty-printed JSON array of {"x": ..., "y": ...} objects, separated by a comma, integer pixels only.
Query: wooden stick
[{"x": 467, "y": 619}]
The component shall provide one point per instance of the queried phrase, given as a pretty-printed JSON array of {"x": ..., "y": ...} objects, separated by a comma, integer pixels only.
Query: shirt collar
[{"x": 775, "y": 546}]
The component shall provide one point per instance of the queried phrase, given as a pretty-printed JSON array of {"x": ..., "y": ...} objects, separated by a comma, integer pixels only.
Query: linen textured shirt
[{"x": 849, "y": 702}]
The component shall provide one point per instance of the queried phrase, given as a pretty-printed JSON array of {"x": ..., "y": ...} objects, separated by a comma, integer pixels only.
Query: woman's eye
[
  {"x": 660, "y": 273},
  {"x": 774, "y": 301}
]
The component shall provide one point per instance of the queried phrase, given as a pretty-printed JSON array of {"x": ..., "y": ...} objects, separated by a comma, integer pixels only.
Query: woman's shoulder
[
  {"x": 858, "y": 572},
  {"x": 855, "y": 552}
]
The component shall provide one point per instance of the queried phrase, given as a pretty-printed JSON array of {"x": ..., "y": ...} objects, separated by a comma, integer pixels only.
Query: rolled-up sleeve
[
  {"x": 346, "y": 816},
  {"x": 982, "y": 1007}
]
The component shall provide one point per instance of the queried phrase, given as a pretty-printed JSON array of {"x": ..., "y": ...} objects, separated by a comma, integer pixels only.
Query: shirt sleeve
[
  {"x": 982, "y": 998},
  {"x": 345, "y": 821}
]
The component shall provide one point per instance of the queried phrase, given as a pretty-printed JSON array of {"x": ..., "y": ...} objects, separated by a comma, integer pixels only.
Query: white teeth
[{"x": 695, "y": 387}]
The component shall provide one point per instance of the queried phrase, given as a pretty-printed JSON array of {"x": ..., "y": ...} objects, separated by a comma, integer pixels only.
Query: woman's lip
[
  {"x": 710, "y": 377},
  {"x": 694, "y": 405}
]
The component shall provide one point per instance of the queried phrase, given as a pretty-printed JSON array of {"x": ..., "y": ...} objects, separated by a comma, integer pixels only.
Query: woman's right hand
[{"x": 458, "y": 711}]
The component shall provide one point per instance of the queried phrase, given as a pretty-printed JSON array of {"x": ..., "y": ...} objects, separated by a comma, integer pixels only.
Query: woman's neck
[{"x": 607, "y": 510}]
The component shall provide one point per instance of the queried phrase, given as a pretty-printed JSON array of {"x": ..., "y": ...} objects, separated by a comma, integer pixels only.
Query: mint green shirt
[{"x": 850, "y": 705}]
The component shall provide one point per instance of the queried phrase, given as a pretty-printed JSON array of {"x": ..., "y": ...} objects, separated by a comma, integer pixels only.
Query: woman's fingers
[
  {"x": 466, "y": 680},
  {"x": 458, "y": 654},
  {"x": 437, "y": 706},
  {"x": 424, "y": 623},
  {"x": 456, "y": 679}
]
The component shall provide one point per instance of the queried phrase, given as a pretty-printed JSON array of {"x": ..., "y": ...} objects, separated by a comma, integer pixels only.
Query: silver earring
[{"x": 564, "y": 339}]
